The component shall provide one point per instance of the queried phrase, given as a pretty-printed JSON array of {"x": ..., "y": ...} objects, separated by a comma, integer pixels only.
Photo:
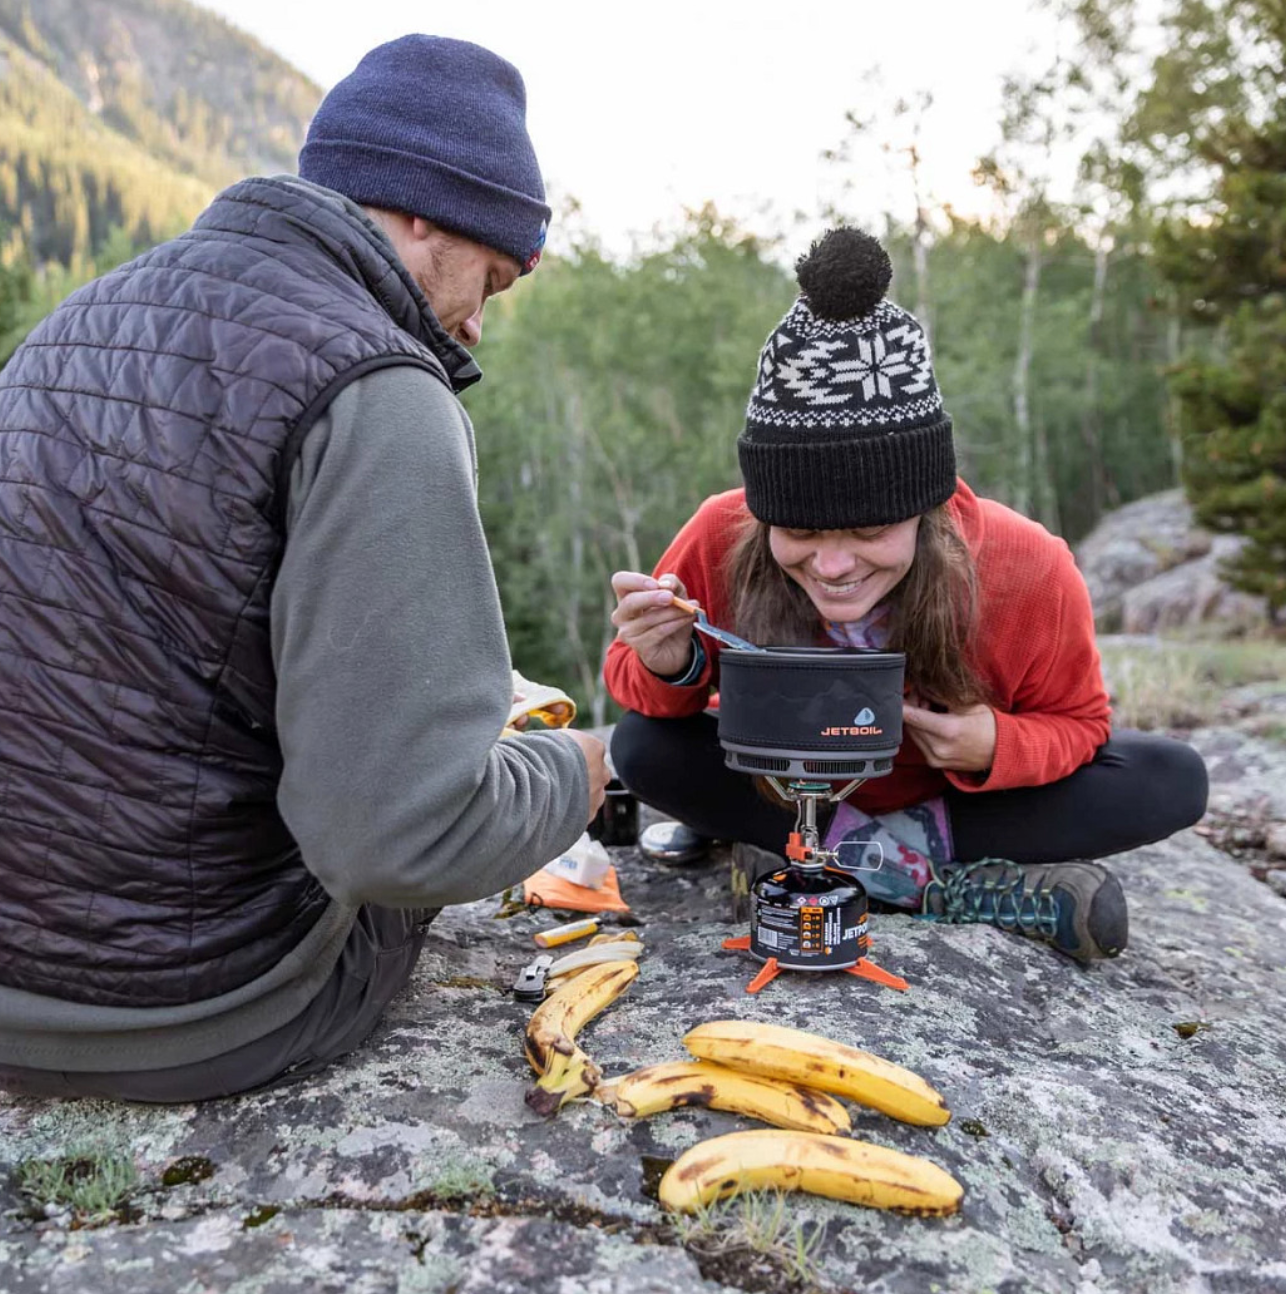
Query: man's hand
[
  {"x": 647, "y": 619},
  {"x": 962, "y": 740},
  {"x": 596, "y": 758}
]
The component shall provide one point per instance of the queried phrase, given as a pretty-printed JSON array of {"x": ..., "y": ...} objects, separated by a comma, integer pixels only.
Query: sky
[{"x": 640, "y": 111}]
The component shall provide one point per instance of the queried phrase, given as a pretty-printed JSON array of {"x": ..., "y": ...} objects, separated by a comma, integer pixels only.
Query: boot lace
[{"x": 1000, "y": 899}]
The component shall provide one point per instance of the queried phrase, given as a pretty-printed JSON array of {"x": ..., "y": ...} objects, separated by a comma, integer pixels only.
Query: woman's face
[{"x": 846, "y": 572}]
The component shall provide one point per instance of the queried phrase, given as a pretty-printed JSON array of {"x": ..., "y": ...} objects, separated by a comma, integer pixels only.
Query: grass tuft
[
  {"x": 91, "y": 1181},
  {"x": 1176, "y": 683},
  {"x": 754, "y": 1223}
]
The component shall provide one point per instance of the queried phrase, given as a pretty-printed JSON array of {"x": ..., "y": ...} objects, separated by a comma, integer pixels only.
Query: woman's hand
[
  {"x": 647, "y": 620},
  {"x": 962, "y": 740}
]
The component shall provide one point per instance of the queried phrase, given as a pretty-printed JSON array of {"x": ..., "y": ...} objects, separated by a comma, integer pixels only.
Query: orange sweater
[{"x": 1034, "y": 649}]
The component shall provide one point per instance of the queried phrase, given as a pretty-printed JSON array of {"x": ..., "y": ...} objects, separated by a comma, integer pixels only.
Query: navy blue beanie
[{"x": 435, "y": 128}]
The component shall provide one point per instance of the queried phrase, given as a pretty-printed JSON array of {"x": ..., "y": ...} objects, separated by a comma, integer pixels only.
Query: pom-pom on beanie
[
  {"x": 435, "y": 128},
  {"x": 845, "y": 428}
]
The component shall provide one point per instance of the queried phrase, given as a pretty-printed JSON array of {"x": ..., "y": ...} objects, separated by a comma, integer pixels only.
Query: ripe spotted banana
[
  {"x": 839, "y": 1167},
  {"x": 800, "y": 1057},
  {"x": 565, "y": 1070},
  {"x": 698, "y": 1082}
]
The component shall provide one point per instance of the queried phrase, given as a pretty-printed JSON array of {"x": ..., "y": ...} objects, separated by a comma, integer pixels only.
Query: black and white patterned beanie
[{"x": 845, "y": 426}]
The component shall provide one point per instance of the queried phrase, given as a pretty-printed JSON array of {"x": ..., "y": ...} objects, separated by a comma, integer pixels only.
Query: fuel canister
[{"x": 809, "y": 919}]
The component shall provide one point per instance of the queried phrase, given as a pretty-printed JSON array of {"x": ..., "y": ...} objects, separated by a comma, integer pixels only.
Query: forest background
[{"x": 1092, "y": 348}]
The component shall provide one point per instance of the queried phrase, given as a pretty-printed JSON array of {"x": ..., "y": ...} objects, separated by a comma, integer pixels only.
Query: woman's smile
[
  {"x": 846, "y": 572},
  {"x": 839, "y": 589}
]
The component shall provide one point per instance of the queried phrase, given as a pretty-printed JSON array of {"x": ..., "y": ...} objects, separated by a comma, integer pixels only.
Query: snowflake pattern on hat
[
  {"x": 845, "y": 426},
  {"x": 868, "y": 372}
]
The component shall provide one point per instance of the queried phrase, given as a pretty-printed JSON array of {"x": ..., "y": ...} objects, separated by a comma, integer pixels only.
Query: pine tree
[{"x": 1227, "y": 265}]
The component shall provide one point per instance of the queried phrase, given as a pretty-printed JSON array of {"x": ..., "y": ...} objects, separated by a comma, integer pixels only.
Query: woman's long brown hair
[{"x": 933, "y": 609}]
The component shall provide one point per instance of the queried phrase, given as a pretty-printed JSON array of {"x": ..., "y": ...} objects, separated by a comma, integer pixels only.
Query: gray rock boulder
[
  {"x": 1149, "y": 567},
  {"x": 1115, "y": 1129}
]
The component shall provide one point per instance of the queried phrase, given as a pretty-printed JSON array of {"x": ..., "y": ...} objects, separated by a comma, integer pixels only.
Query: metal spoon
[{"x": 725, "y": 636}]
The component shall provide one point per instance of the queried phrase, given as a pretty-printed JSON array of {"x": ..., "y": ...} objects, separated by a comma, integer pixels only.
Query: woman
[{"x": 853, "y": 528}]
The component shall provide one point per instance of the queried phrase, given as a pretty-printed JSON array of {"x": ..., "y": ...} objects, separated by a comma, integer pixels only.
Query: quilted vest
[{"x": 147, "y": 429}]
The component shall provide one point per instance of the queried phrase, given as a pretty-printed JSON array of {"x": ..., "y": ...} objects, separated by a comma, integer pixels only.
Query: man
[{"x": 252, "y": 660}]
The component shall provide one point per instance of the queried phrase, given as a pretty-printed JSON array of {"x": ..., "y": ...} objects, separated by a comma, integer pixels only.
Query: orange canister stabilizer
[{"x": 796, "y": 849}]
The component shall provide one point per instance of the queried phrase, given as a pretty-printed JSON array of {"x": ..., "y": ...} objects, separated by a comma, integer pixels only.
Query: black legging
[{"x": 1137, "y": 789}]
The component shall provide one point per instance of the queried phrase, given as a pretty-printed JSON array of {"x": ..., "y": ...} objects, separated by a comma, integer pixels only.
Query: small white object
[
  {"x": 585, "y": 863},
  {"x": 623, "y": 950}
]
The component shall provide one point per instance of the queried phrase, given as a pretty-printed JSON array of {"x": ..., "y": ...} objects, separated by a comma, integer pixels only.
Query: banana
[
  {"x": 838, "y": 1167},
  {"x": 602, "y": 948},
  {"x": 807, "y": 1058},
  {"x": 617, "y": 937},
  {"x": 565, "y": 1070},
  {"x": 698, "y": 1082}
]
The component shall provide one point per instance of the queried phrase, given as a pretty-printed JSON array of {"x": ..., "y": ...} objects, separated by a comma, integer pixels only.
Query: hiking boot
[{"x": 1076, "y": 907}]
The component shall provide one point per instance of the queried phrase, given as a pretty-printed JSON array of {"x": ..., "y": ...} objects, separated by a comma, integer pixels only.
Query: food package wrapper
[
  {"x": 550, "y": 705},
  {"x": 550, "y": 891},
  {"x": 585, "y": 863}
]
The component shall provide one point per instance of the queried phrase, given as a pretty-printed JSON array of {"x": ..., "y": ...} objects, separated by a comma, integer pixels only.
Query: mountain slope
[{"x": 128, "y": 115}]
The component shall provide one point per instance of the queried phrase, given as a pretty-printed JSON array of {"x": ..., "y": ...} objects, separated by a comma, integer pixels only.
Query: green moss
[
  {"x": 462, "y": 1180},
  {"x": 1197, "y": 901},
  {"x": 259, "y": 1215},
  {"x": 191, "y": 1168}
]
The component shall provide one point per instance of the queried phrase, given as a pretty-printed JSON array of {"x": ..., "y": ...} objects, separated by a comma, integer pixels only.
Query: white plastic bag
[{"x": 585, "y": 863}]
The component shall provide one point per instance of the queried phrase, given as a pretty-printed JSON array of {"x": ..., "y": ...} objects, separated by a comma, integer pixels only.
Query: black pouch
[{"x": 617, "y": 821}]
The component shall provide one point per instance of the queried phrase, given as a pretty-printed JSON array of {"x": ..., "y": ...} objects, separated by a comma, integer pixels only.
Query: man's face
[{"x": 457, "y": 276}]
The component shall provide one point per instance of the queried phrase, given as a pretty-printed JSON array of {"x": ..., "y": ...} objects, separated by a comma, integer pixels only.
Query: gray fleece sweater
[{"x": 393, "y": 680}]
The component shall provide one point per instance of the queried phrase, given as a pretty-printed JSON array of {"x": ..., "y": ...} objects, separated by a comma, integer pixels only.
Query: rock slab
[{"x": 1121, "y": 1128}]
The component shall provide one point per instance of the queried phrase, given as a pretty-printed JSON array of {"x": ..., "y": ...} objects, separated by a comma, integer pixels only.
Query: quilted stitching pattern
[{"x": 143, "y": 432}]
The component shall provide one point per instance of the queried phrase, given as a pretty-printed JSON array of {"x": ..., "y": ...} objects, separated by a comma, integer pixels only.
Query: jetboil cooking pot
[{"x": 811, "y": 712}]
